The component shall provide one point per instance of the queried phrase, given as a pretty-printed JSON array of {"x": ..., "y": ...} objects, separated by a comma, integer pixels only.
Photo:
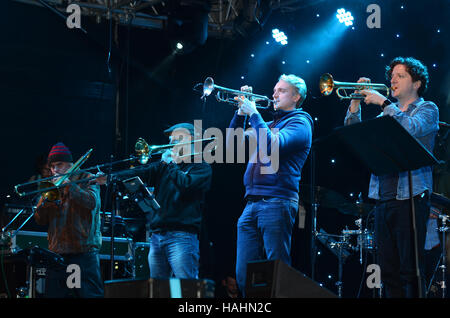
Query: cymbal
[{"x": 334, "y": 200}]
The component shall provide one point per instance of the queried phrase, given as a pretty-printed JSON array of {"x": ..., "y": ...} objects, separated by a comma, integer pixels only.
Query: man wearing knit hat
[{"x": 73, "y": 230}]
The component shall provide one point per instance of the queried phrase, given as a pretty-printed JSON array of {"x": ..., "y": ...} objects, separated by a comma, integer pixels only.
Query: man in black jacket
[{"x": 180, "y": 187}]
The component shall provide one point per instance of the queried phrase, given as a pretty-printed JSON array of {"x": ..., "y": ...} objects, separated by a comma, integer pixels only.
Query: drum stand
[
  {"x": 443, "y": 259},
  {"x": 338, "y": 248}
]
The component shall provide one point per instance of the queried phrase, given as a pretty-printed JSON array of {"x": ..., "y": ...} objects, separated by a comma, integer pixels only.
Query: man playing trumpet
[
  {"x": 394, "y": 235},
  {"x": 265, "y": 226}
]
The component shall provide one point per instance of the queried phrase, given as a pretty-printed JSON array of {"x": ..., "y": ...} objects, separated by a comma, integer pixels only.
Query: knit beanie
[{"x": 59, "y": 152}]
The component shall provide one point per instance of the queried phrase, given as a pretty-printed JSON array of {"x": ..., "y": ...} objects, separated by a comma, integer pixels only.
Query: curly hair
[{"x": 415, "y": 68}]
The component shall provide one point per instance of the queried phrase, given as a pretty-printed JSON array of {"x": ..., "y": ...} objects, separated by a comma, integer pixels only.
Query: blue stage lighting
[
  {"x": 344, "y": 17},
  {"x": 280, "y": 37}
]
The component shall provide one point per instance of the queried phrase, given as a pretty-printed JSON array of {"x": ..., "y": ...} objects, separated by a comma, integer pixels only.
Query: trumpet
[
  {"x": 223, "y": 94},
  {"x": 144, "y": 151},
  {"x": 327, "y": 84},
  {"x": 48, "y": 188}
]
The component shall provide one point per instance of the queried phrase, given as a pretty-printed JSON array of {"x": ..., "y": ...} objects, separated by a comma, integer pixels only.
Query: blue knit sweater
[{"x": 293, "y": 143}]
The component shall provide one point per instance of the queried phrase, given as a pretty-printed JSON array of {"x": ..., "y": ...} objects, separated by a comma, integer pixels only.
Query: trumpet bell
[
  {"x": 208, "y": 86},
  {"x": 326, "y": 84}
]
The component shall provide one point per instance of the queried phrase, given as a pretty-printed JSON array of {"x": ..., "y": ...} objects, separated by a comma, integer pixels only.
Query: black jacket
[{"x": 180, "y": 191}]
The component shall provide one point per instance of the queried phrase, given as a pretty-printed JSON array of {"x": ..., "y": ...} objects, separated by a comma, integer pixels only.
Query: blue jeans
[
  {"x": 174, "y": 253},
  {"x": 265, "y": 227}
]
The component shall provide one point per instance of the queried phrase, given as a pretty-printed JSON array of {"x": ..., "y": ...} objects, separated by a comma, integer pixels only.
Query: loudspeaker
[
  {"x": 275, "y": 279},
  {"x": 159, "y": 288}
]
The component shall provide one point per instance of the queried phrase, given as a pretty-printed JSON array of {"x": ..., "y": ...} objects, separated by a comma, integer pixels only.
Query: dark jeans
[
  {"x": 395, "y": 245},
  {"x": 91, "y": 283},
  {"x": 264, "y": 232}
]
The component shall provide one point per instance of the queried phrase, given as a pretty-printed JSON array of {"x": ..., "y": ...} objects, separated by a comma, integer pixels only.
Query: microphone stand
[{"x": 314, "y": 206}]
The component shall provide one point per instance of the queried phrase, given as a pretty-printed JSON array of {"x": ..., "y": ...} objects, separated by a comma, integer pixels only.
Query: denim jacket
[{"x": 421, "y": 120}]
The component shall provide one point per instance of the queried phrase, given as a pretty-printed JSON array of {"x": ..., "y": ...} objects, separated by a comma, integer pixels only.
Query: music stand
[
  {"x": 384, "y": 146},
  {"x": 140, "y": 194}
]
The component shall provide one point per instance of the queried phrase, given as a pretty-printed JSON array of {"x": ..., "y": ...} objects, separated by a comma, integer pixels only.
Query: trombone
[
  {"x": 144, "y": 151},
  {"x": 327, "y": 84},
  {"x": 48, "y": 187},
  {"x": 223, "y": 94}
]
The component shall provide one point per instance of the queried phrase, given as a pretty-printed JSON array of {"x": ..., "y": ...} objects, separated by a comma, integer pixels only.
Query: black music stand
[{"x": 384, "y": 146}]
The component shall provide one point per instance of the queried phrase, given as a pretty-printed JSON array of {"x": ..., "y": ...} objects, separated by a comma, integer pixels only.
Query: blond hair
[{"x": 298, "y": 84}]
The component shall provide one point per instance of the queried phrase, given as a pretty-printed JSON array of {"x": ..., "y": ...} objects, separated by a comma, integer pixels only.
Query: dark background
[{"x": 55, "y": 86}]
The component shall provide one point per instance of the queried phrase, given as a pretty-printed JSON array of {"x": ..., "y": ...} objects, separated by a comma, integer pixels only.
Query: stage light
[
  {"x": 382, "y": 55},
  {"x": 333, "y": 161},
  {"x": 397, "y": 35},
  {"x": 283, "y": 62},
  {"x": 252, "y": 55},
  {"x": 242, "y": 77},
  {"x": 434, "y": 65},
  {"x": 307, "y": 61},
  {"x": 179, "y": 46},
  {"x": 317, "y": 15},
  {"x": 279, "y": 36},
  {"x": 344, "y": 17}
]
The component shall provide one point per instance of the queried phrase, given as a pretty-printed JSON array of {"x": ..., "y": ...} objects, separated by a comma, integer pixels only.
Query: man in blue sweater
[{"x": 265, "y": 226}]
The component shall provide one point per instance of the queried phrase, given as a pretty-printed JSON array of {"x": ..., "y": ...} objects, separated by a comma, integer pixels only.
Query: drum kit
[
  {"x": 349, "y": 241},
  {"x": 362, "y": 240}
]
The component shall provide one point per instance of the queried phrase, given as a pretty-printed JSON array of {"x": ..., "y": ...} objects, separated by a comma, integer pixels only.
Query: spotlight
[
  {"x": 179, "y": 46},
  {"x": 344, "y": 17},
  {"x": 280, "y": 37}
]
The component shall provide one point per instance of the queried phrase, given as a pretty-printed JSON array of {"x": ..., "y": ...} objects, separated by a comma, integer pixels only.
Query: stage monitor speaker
[
  {"x": 159, "y": 288},
  {"x": 275, "y": 279}
]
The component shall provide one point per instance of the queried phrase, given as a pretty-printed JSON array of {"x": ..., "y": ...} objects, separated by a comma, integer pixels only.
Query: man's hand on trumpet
[
  {"x": 356, "y": 103},
  {"x": 246, "y": 106},
  {"x": 373, "y": 97}
]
